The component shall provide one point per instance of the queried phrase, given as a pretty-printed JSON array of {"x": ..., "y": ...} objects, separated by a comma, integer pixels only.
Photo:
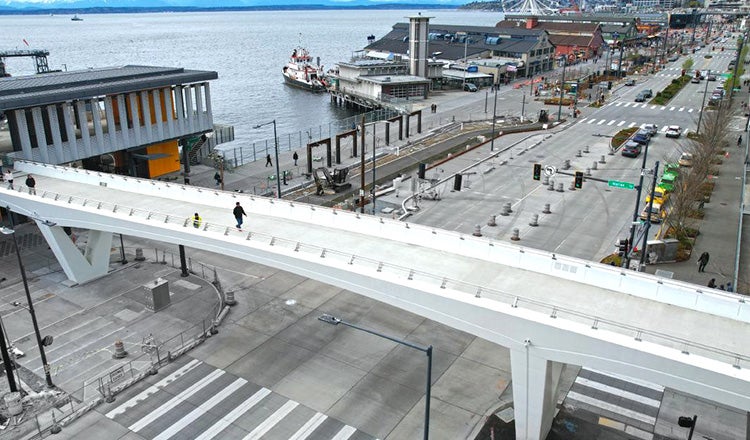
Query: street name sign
[{"x": 619, "y": 184}]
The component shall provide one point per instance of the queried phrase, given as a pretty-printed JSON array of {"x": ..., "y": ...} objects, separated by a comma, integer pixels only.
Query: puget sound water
[{"x": 247, "y": 49}]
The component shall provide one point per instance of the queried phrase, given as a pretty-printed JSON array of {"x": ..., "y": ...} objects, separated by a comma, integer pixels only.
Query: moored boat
[{"x": 302, "y": 73}]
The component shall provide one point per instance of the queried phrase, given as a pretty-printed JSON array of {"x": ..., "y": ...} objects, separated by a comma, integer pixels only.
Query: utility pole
[
  {"x": 736, "y": 66},
  {"x": 362, "y": 170},
  {"x": 562, "y": 89},
  {"x": 636, "y": 211},
  {"x": 703, "y": 105},
  {"x": 641, "y": 264},
  {"x": 494, "y": 117}
]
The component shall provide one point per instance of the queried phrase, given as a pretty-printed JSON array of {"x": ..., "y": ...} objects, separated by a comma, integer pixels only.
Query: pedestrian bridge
[{"x": 548, "y": 309}]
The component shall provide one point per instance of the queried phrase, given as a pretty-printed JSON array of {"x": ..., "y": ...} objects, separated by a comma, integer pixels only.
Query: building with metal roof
[{"x": 127, "y": 119}]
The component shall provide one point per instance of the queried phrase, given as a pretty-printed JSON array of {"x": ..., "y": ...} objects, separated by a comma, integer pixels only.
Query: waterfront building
[{"x": 127, "y": 120}]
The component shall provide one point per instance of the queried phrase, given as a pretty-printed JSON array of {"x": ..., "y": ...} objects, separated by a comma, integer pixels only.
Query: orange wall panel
[{"x": 165, "y": 165}]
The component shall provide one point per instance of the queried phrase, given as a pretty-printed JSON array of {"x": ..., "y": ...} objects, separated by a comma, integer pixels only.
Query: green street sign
[{"x": 618, "y": 184}]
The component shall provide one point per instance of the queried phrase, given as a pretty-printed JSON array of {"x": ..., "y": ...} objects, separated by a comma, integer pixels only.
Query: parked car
[
  {"x": 641, "y": 139},
  {"x": 631, "y": 149},
  {"x": 469, "y": 87},
  {"x": 630, "y": 82},
  {"x": 668, "y": 181},
  {"x": 657, "y": 213},
  {"x": 673, "y": 131},
  {"x": 686, "y": 160},
  {"x": 651, "y": 128}
]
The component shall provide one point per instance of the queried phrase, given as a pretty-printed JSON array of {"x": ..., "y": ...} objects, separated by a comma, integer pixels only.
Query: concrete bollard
[
  {"x": 588, "y": 171},
  {"x": 593, "y": 165},
  {"x": 229, "y": 298},
  {"x": 119, "y": 350},
  {"x": 566, "y": 164},
  {"x": 139, "y": 255},
  {"x": 504, "y": 212},
  {"x": 578, "y": 154},
  {"x": 13, "y": 403},
  {"x": 477, "y": 231},
  {"x": 534, "y": 220},
  {"x": 560, "y": 188},
  {"x": 110, "y": 397},
  {"x": 508, "y": 207},
  {"x": 515, "y": 236},
  {"x": 546, "y": 209},
  {"x": 545, "y": 180},
  {"x": 586, "y": 149},
  {"x": 572, "y": 186},
  {"x": 551, "y": 186},
  {"x": 602, "y": 159},
  {"x": 55, "y": 428},
  {"x": 492, "y": 221}
]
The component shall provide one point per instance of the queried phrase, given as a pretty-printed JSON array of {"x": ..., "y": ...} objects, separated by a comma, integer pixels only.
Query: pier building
[{"x": 127, "y": 120}]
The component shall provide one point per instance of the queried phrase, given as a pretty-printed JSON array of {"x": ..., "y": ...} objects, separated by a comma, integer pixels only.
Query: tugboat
[
  {"x": 76, "y": 18},
  {"x": 300, "y": 72}
]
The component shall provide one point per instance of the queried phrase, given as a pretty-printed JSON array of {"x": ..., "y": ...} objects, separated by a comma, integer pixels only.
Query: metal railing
[
  {"x": 155, "y": 353},
  {"x": 405, "y": 275}
]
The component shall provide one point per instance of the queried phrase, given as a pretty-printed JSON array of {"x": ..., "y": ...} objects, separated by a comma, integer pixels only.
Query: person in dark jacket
[
  {"x": 703, "y": 262},
  {"x": 31, "y": 183},
  {"x": 238, "y": 212}
]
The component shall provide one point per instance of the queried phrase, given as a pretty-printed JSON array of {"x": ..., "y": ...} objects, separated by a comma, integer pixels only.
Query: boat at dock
[
  {"x": 76, "y": 18},
  {"x": 300, "y": 72}
]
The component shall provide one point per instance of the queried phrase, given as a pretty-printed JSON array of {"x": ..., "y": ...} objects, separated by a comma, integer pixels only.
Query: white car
[
  {"x": 673, "y": 131},
  {"x": 651, "y": 128}
]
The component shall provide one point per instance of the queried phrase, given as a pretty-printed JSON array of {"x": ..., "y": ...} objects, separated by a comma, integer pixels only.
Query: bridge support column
[
  {"x": 79, "y": 268},
  {"x": 535, "y": 382}
]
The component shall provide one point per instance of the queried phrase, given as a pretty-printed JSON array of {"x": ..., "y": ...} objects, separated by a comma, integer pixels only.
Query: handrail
[{"x": 263, "y": 239}]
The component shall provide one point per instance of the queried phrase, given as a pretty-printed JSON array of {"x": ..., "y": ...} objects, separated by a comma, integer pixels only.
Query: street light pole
[
  {"x": 8, "y": 362},
  {"x": 329, "y": 319},
  {"x": 494, "y": 116},
  {"x": 39, "y": 342},
  {"x": 276, "y": 147},
  {"x": 703, "y": 105},
  {"x": 562, "y": 89}
]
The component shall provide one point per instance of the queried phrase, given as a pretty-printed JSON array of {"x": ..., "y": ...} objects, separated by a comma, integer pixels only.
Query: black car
[
  {"x": 647, "y": 93},
  {"x": 631, "y": 149},
  {"x": 630, "y": 82},
  {"x": 640, "y": 97}
]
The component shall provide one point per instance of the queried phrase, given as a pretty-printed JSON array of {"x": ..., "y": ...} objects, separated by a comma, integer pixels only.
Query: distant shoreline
[{"x": 138, "y": 10}]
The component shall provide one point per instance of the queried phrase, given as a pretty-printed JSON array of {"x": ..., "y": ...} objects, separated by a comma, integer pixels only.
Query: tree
[{"x": 688, "y": 64}]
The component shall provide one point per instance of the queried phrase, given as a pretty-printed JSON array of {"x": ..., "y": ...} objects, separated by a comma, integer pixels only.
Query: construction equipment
[{"x": 325, "y": 183}]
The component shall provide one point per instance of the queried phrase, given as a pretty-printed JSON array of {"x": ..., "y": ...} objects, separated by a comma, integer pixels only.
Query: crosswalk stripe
[
  {"x": 671, "y": 109},
  {"x": 271, "y": 421},
  {"x": 627, "y": 104},
  {"x": 617, "y": 391},
  {"x": 690, "y": 110},
  {"x": 644, "y": 106},
  {"x": 653, "y": 107},
  {"x": 681, "y": 109},
  {"x": 618, "y": 104},
  {"x": 233, "y": 415},
  {"x": 611, "y": 122},
  {"x": 176, "y": 400},
  {"x": 153, "y": 389},
  {"x": 663, "y": 108},
  {"x": 345, "y": 433},
  {"x": 642, "y": 383},
  {"x": 202, "y": 409},
  {"x": 591, "y": 121},
  {"x": 309, "y": 426},
  {"x": 601, "y": 122},
  {"x": 612, "y": 408},
  {"x": 621, "y": 123},
  {"x": 632, "y": 124}
]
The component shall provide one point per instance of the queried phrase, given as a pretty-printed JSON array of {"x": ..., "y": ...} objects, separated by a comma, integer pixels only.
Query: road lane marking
[
  {"x": 153, "y": 389},
  {"x": 601, "y": 122},
  {"x": 611, "y": 122},
  {"x": 632, "y": 124},
  {"x": 621, "y": 123},
  {"x": 681, "y": 109},
  {"x": 310, "y": 426},
  {"x": 642, "y": 383},
  {"x": 271, "y": 421},
  {"x": 202, "y": 409},
  {"x": 618, "y": 392},
  {"x": 345, "y": 433},
  {"x": 671, "y": 109},
  {"x": 176, "y": 400},
  {"x": 235, "y": 414},
  {"x": 591, "y": 121}
]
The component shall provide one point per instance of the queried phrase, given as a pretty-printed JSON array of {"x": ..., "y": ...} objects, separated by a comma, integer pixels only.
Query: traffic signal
[
  {"x": 537, "y": 171},
  {"x": 622, "y": 247},
  {"x": 579, "y": 179}
]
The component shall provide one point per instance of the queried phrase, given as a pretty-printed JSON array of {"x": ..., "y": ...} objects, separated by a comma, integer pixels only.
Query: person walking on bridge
[
  {"x": 268, "y": 161},
  {"x": 8, "y": 177},
  {"x": 703, "y": 262},
  {"x": 238, "y": 212},
  {"x": 30, "y": 184},
  {"x": 197, "y": 220}
]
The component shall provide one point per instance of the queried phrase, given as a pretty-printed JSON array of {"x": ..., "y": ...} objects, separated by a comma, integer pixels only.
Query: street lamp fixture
[
  {"x": 47, "y": 339},
  {"x": 276, "y": 148},
  {"x": 330, "y": 319}
]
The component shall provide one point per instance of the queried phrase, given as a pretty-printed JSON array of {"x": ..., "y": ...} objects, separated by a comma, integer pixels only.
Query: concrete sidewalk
[
  {"x": 720, "y": 225},
  {"x": 86, "y": 320}
]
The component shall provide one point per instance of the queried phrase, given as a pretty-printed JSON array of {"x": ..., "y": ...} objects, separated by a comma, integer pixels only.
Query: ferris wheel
[{"x": 535, "y": 7}]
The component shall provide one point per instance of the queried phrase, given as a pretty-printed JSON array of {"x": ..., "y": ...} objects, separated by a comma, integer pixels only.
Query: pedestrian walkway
[
  {"x": 618, "y": 402},
  {"x": 197, "y": 401}
]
